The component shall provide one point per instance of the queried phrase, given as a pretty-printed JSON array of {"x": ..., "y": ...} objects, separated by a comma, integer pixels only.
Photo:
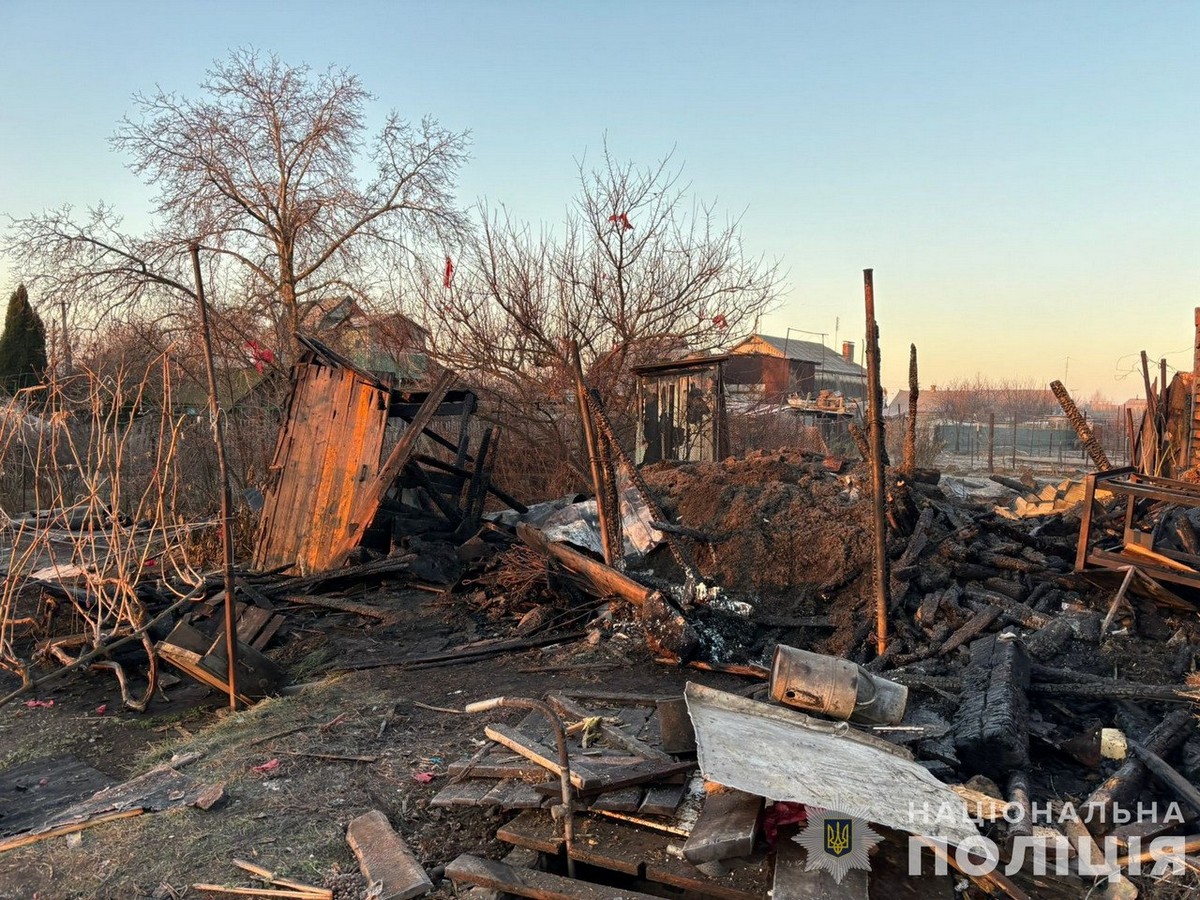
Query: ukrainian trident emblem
[
  {"x": 837, "y": 841},
  {"x": 839, "y": 836}
]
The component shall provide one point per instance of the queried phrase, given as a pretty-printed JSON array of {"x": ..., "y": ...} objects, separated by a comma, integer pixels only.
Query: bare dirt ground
[{"x": 293, "y": 817}]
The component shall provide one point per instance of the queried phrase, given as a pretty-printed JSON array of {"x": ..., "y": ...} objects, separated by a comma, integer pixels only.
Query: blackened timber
[
  {"x": 529, "y": 883},
  {"x": 1079, "y": 423},
  {"x": 434, "y": 463},
  {"x": 423, "y": 481},
  {"x": 1168, "y": 777},
  {"x": 1124, "y": 785},
  {"x": 992, "y": 724}
]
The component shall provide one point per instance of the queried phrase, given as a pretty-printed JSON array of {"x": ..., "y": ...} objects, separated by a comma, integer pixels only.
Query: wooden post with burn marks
[{"x": 875, "y": 438}]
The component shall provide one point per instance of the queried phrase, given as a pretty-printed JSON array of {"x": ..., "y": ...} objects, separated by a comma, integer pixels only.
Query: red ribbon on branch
[
  {"x": 449, "y": 272},
  {"x": 621, "y": 219},
  {"x": 261, "y": 355}
]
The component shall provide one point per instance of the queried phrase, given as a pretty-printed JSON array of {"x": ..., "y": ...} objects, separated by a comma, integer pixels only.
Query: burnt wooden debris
[
  {"x": 1015, "y": 640},
  {"x": 992, "y": 725},
  {"x": 329, "y": 475},
  {"x": 391, "y": 870}
]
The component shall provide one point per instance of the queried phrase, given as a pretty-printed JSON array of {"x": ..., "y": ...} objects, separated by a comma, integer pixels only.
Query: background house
[
  {"x": 388, "y": 345},
  {"x": 769, "y": 368}
]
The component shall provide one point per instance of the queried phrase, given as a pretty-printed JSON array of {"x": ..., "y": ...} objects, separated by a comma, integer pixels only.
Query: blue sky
[{"x": 1021, "y": 176}]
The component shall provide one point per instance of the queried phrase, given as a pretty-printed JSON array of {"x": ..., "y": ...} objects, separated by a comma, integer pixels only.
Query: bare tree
[
  {"x": 263, "y": 172},
  {"x": 958, "y": 403},
  {"x": 638, "y": 273}
]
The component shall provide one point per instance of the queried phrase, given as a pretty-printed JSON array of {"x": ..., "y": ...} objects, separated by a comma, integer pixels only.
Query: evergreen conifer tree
[{"x": 23, "y": 344}]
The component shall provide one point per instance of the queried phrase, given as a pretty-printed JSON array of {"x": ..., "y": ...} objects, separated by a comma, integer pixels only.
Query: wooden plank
[
  {"x": 278, "y": 893},
  {"x": 24, "y": 840},
  {"x": 744, "y": 880},
  {"x": 662, "y": 800},
  {"x": 33, "y": 791},
  {"x": 330, "y": 443},
  {"x": 626, "y": 800},
  {"x": 529, "y": 883},
  {"x": 250, "y": 623},
  {"x": 158, "y": 789},
  {"x": 532, "y": 830},
  {"x": 615, "y": 735},
  {"x": 367, "y": 498},
  {"x": 464, "y": 793},
  {"x": 513, "y": 794},
  {"x": 614, "y": 845},
  {"x": 496, "y": 765},
  {"x": 726, "y": 828},
  {"x": 675, "y": 726},
  {"x": 582, "y": 777},
  {"x": 618, "y": 777},
  {"x": 792, "y": 881},
  {"x": 269, "y": 631},
  {"x": 385, "y": 859}
]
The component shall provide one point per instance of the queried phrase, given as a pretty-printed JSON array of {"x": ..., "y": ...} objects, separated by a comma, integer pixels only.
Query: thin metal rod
[
  {"x": 875, "y": 438},
  {"x": 564, "y": 759},
  {"x": 214, "y": 410}
]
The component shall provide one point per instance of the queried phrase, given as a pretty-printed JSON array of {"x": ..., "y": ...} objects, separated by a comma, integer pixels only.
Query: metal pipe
[
  {"x": 214, "y": 409},
  {"x": 875, "y": 437},
  {"x": 564, "y": 761}
]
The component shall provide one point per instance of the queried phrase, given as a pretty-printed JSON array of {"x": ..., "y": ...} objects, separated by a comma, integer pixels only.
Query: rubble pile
[
  {"x": 1038, "y": 656},
  {"x": 1031, "y": 686}
]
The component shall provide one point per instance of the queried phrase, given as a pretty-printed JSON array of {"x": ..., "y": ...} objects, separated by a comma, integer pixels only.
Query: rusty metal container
[{"x": 835, "y": 687}]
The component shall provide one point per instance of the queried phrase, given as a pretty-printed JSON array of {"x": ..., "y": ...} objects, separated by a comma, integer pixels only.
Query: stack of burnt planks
[{"x": 642, "y": 815}]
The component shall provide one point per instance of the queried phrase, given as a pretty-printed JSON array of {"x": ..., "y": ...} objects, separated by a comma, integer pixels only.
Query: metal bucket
[{"x": 835, "y": 687}]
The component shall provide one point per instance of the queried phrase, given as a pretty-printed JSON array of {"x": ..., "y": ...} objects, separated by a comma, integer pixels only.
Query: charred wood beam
[
  {"x": 1124, "y": 785},
  {"x": 434, "y": 463},
  {"x": 909, "y": 465},
  {"x": 1086, "y": 437},
  {"x": 445, "y": 507},
  {"x": 973, "y": 627},
  {"x": 992, "y": 724},
  {"x": 1168, "y": 777},
  {"x": 878, "y": 461}
]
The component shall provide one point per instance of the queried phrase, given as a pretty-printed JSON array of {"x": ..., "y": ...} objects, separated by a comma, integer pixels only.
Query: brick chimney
[{"x": 848, "y": 351}]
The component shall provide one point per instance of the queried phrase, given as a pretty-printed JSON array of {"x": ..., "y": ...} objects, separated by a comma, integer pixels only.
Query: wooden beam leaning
[
  {"x": 368, "y": 501},
  {"x": 1075, "y": 417}
]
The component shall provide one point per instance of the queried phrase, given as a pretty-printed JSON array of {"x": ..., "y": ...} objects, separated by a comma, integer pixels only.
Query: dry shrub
[
  {"x": 773, "y": 428},
  {"x": 929, "y": 445},
  {"x": 102, "y": 457}
]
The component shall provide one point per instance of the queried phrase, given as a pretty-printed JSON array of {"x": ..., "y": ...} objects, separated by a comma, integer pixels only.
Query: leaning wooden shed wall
[{"x": 328, "y": 448}]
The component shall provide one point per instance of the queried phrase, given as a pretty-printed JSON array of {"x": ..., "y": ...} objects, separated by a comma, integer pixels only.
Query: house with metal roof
[{"x": 773, "y": 368}]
